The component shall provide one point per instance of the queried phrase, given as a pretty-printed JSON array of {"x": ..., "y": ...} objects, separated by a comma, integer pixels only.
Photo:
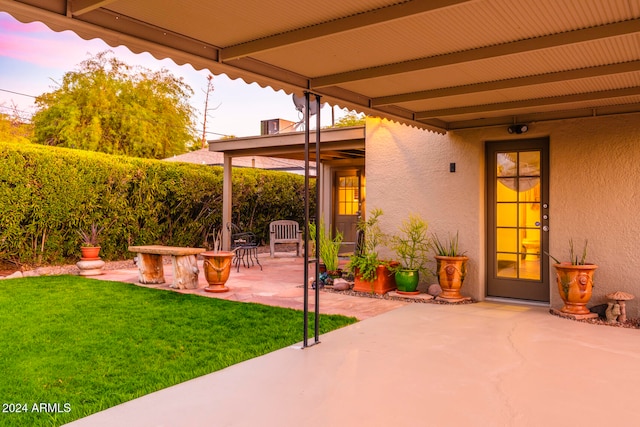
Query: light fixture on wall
[{"x": 520, "y": 128}]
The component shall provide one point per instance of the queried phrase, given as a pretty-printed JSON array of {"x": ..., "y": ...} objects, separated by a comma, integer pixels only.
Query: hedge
[{"x": 48, "y": 193}]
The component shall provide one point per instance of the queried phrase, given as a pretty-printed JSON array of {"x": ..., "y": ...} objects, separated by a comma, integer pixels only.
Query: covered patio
[{"x": 339, "y": 149}]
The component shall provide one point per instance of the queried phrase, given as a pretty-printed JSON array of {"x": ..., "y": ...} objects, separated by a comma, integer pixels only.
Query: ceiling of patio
[{"x": 436, "y": 64}]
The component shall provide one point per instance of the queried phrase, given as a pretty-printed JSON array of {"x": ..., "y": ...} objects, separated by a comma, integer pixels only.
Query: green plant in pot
[
  {"x": 329, "y": 248},
  {"x": 575, "y": 281},
  {"x": 370, "y": 272},
  {"x": 90, "y": 244},
  {"x": 413, "y": 246},
  {"x": 451, "y": 266}
]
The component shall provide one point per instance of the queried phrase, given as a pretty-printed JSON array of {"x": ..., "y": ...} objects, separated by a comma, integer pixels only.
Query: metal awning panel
[{"x": 409, "y": 61}]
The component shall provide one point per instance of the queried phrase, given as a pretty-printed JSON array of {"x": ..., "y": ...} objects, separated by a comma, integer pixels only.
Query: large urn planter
[
  {"x": 575, "y": 285},
  {"x": 383, "y": 283},
  {"x": 217, "y": 266},
  {"x": 407, "y": 281},
  {"x": 451, "y": 271}
]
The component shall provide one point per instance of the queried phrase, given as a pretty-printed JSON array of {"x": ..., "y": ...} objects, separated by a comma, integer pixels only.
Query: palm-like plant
[
  {"x": 91, "y": 238},
  {"x": 448, "y": 247}
]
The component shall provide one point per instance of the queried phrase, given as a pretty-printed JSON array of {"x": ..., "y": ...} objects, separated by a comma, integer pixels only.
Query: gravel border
[{"x": 386, "y": 296}]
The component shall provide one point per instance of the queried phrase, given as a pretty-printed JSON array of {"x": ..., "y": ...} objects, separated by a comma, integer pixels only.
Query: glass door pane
[{"x": 518, "y": 215}]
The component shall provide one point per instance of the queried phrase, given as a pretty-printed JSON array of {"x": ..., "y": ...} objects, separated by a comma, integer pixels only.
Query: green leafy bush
[{"x": 48, "y": 193}]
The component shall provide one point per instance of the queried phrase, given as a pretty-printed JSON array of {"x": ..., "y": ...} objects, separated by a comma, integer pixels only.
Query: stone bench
[{"x": 184, "y": 261}]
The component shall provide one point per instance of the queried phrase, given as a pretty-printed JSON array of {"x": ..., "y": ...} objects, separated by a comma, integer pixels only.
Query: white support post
[{"x": 227, "y": 194}]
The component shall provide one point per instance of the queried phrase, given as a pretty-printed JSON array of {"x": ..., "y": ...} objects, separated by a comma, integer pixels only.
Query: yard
[{"x": 74, "y": 346}]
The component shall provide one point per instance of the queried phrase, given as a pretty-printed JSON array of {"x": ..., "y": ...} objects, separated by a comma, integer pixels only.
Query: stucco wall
[
  {"x": 408, "y": 172},
  {"x": 594, "y": 179}
]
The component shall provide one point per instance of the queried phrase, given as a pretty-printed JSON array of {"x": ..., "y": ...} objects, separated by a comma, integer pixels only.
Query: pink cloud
[
  {"x": 36, "y": 44},
  {"x": 9, "y": 25}
]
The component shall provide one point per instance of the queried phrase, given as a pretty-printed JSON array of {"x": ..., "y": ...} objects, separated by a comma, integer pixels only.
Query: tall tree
[
  {"x": 109, "y": 106},
  {"x": 207, "y": 92},
  {"x": 350, "y": 119}
]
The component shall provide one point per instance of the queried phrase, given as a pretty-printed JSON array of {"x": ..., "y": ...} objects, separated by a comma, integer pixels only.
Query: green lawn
[{"x": 73, "y": 346}]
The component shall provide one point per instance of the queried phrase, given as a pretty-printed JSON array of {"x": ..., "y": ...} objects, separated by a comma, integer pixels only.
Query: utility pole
[{"x": 209, "y": 91}]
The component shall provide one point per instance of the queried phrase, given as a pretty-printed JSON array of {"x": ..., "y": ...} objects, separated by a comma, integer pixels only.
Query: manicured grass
[{"x": 80, "y": 345}]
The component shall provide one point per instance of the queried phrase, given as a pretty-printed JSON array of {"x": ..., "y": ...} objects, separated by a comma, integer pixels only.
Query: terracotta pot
[
  {"x": 382, "y": 284},
  {"x": 451, "y": 271},
  {"x": 90, "y": 252},
  {"x": 217, "y": 266},
  {"x": 575, "y": 285}
]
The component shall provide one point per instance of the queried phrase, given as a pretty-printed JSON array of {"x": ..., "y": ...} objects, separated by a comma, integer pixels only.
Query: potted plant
[
  {"x": 451, "y": 267},
  {"x": 217, "y": 265},
  {"x": 370, "y": 273},
  {"x": 329, "y": 248},
  {"x": 90, "y": 263},
  {"x": 575, "y": 281},
  {"x": 413, "y": 247},
  {"x": 90, "y": 246}
]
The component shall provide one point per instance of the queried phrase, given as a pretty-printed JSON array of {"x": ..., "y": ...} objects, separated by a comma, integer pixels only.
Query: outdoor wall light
[{"x": 522, "y": 128}]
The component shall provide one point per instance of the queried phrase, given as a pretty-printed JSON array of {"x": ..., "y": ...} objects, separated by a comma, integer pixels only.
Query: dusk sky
[{"x": 34, "y": 58}]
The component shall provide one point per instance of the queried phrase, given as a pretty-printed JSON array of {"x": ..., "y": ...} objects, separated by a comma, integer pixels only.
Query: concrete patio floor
[{"x": 483, "y": 364}]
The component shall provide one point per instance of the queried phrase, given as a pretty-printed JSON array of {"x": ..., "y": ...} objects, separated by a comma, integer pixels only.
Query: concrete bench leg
[
  {"x": 150, "y": 270},
  {"x": 185, "y": 272}
]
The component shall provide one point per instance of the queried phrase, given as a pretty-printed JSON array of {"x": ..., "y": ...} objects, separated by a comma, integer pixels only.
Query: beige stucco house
[
  {"x": 592, "y": 175},
  {"x": 452, "y": 86}
]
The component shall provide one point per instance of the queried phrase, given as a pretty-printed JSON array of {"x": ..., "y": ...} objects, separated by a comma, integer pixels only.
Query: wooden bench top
[{"x": 165, "y": 250}]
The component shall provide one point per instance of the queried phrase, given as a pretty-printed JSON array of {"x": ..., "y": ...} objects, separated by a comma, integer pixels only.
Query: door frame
[
  {"x": 336, "y": 172},
  {"x": 503, "y": 287}
]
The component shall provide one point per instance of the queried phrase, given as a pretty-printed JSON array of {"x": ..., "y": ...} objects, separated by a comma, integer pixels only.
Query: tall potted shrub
[
  {"x": 575, "y": 281},
  {"x": 370, "y": 273},
  {"x": 413, "y": 246},
  {"x": 451, "y": 267}
]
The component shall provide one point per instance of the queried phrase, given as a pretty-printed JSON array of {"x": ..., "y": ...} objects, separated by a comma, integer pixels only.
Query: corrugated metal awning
[{"x": 436, "y": 64}]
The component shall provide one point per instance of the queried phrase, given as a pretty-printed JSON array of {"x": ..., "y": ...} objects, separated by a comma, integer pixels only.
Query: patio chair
[
  {"x": 244, "y": 244},
  {"x": 285, "y": 231}
]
